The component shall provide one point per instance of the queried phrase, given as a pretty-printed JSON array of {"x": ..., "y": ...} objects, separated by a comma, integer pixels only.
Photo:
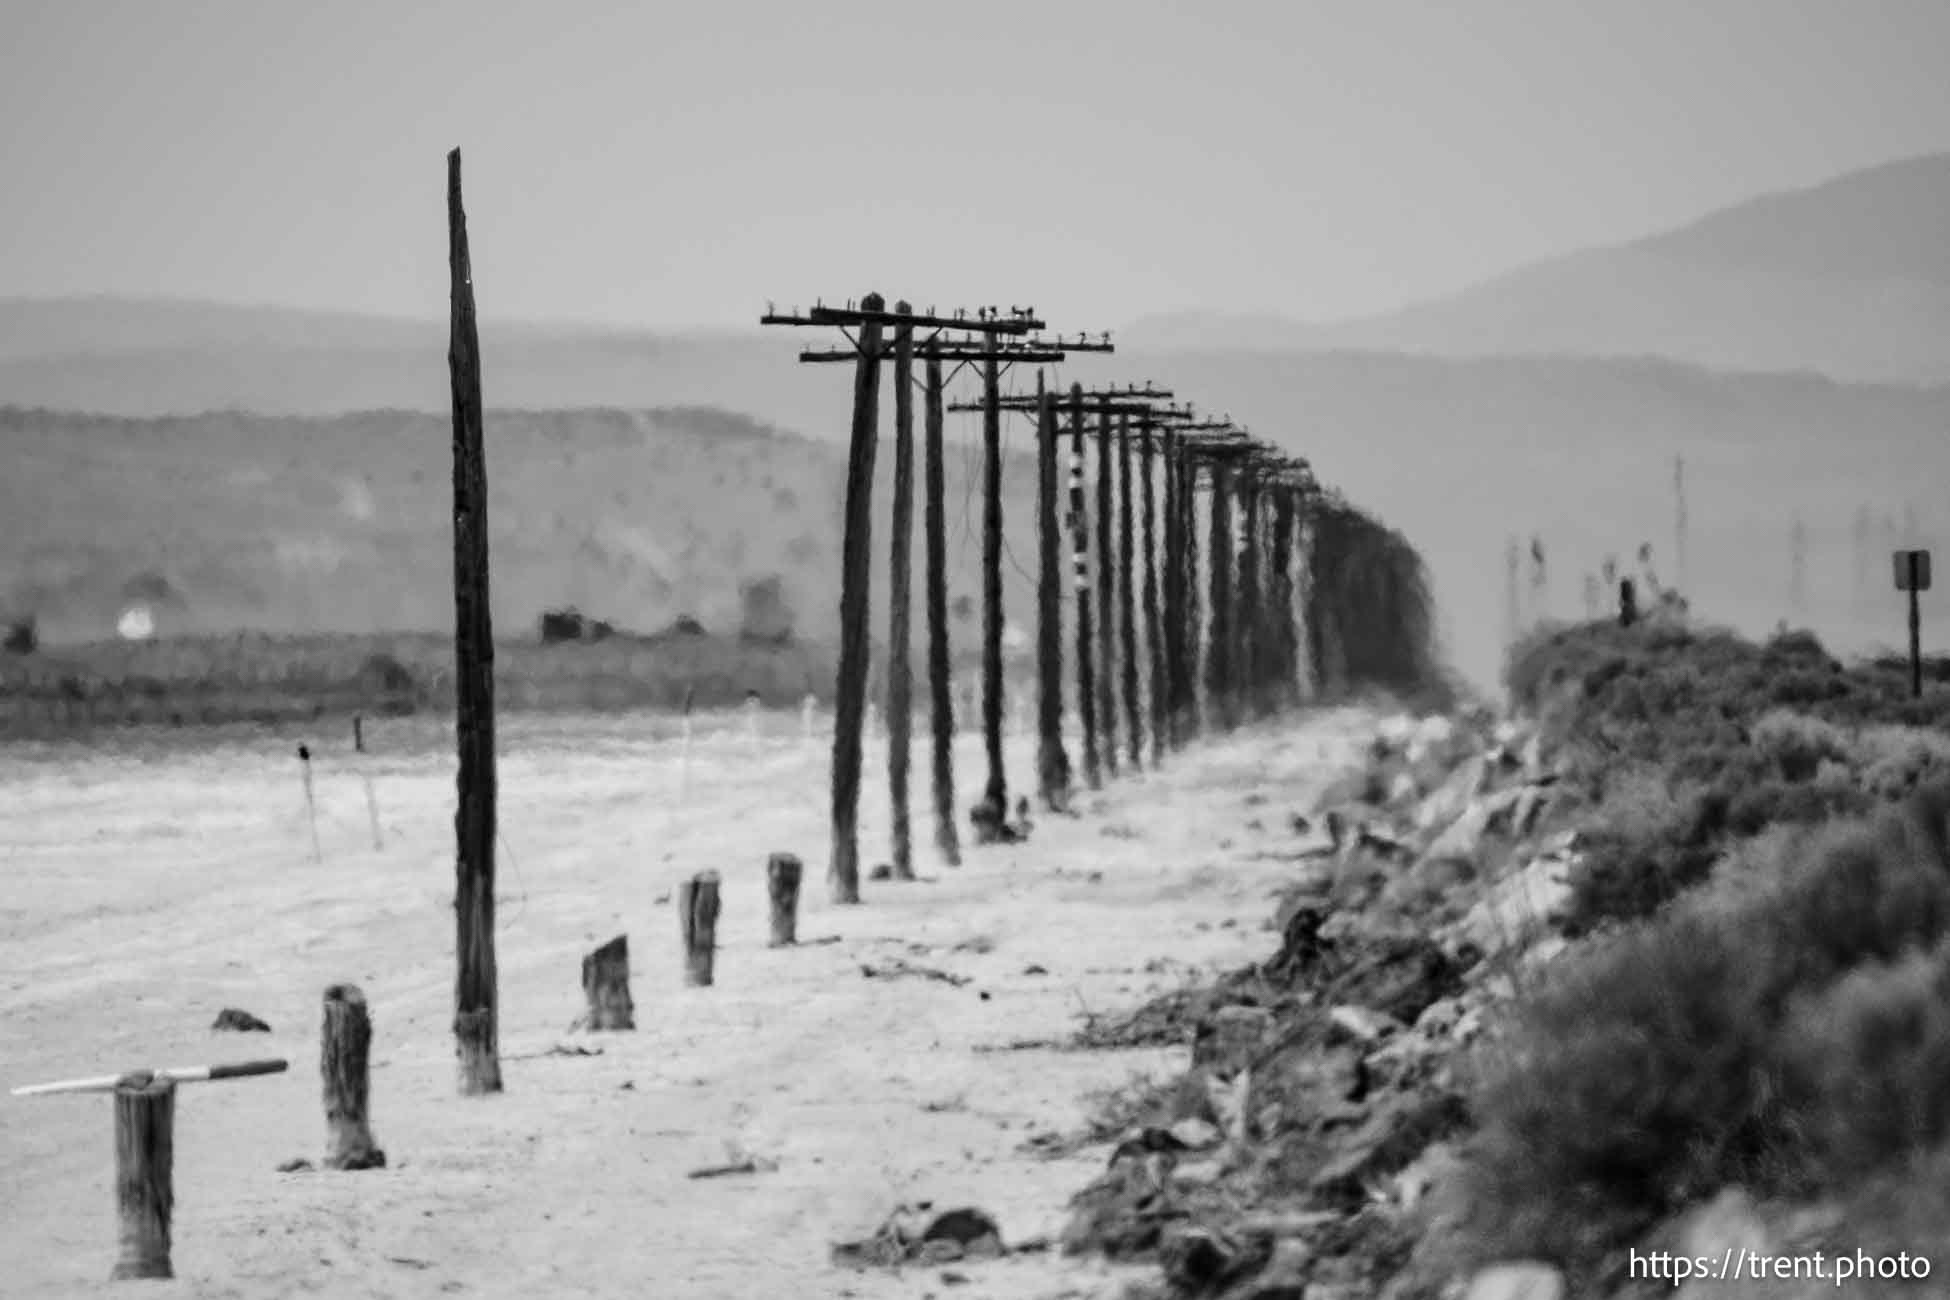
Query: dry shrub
[{"x": 1717, "y": 1044}]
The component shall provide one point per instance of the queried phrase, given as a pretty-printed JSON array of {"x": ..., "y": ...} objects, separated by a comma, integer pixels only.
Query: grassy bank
[{"x": 1765, "y": 1003}]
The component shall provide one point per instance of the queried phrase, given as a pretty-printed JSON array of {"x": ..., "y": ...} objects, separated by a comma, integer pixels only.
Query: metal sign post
[{"x": 1913, "y": 576}]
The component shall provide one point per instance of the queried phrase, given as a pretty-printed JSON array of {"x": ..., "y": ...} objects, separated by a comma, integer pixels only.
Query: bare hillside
[{"x": 342, "y": 524}]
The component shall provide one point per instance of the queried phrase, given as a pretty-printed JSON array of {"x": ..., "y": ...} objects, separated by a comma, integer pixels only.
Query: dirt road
[{"x": 145, "y": 892}]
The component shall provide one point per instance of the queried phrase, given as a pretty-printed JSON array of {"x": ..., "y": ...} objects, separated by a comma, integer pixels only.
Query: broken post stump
[
  {"x": 782, "y": 875},
  {"x": 606, "y": 983},
  {"x": 145, "y": 1116},
  {"x": 697, "y": 912},
  {"x": 343, "y": 1053}
]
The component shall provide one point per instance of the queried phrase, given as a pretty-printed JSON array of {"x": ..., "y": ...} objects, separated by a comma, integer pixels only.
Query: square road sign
[{"x": 1912, "y": 570}]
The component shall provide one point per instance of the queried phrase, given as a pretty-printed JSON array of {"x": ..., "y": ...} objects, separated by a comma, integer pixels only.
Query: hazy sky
[{"x": 680, "y": 163}]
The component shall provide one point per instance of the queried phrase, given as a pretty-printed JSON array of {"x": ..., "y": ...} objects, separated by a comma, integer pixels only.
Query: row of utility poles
[
  {"x": 1155, "y": 462},
  {"x": 1256, "y": 503}
]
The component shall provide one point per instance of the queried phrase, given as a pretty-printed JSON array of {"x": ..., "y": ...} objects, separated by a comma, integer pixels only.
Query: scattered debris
[
  {"x": 243, "y": 1022},
  {"x": 897, "y": 967},
  {"x": 295, "y": 1165},
  {"x": 952, "y": 1235},
  {"x": 749, "y": 1165}
]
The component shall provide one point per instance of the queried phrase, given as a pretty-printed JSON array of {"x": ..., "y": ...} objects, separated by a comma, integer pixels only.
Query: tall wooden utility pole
[
  {"x": 1212, "y": 453},
  {"x": 856, "y": 562},
  {"x": 1052, "y": 761},
  {"x": 900, "y": 681},
  {"x": 993, "y": 813},
  {"x": 1106, "y": 596},
  {"x": 476, "y": 1019},
  {"x": 1126, "y": 605},
  {"x": 1080, "y": 549},
  {"x": 1284, "y": 683},
  {"x": 1249, "y": 607},
  {"x": 1190, "y": 716},
  {"x": 1153, "y": 622},
  {"x": 940, "y": 693},
  {"x": 1173, "y": 616},
  {"x": 866, "y": 354}
]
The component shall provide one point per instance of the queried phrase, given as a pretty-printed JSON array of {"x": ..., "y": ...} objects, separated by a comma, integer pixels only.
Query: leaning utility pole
[
  {"x": 476, "y": 1019},
  {"x": 866, "y": 354}
]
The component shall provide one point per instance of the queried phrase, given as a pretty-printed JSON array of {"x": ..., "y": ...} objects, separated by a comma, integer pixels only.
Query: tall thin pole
[
  {"x": 1679, "y": 523},
  {"x": 1248, "y": 600},
  {"x": 1126, "y": 606},
  {"x": 1283, "y": 679},
  {"x": 476, "y": 1018},
  {"x": 900, "y": 678},
  {"x": 1080, "y": 548},
  {"x": 1106, "y": 595},
  {"x": 1218, "y": 645},
  {"x": 996, "y": 796},
  {"x": 1188, "y": 586},
  {"x": 1174, "y": 615},
  {"x": 940, "y": 689},
  {"x": 1914, "y": 559},
  {"x": 1152, "y": 623},
  {"x": 1052, "y": 763},
  {"x": 856, "y": 560}
]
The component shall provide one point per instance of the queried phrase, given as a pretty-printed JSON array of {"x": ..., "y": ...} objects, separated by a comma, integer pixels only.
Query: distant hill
[
  {"x": 1458, "y": 453},
  {"x": 1849, "y": 278},
  {"x": 343, "y": 523}
]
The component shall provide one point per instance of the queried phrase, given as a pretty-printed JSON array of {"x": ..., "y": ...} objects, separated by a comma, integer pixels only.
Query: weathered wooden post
[
  {"x": 1052, "y": 761},
  {"x": 358, "y": 734},
  {"x": 145, "y": 1117},
  {"x": 1126, "y": 605},
  {"x": 1080, "y": 551},
  {"x": 475, "y": 1021},
  {"x": 782, "y": 872},
  {"x": 1106, "y": 596},
  {"x": 697, "y": 914},
  {"x": 606, "y": 986},
  {"x": 1218, "y": 640},
  {"x": 344, "y": 1049},
  {"x": 1153, "y": 625},
  {"x": 856, "y": 547},
  {"x": 947, "y": 840},
  {"x": 900, "y": 680},
  {"x": 993, "y": 814}
]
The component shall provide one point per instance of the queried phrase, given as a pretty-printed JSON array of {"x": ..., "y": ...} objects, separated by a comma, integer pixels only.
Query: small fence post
[
  {"x": 783, "y": 872},
  {"x": 145, "y": 1116},
  {"x": 697, "y": 912}
]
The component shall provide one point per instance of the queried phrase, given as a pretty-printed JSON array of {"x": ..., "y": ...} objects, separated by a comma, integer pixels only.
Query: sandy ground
[{"x": 147, "y": 889}]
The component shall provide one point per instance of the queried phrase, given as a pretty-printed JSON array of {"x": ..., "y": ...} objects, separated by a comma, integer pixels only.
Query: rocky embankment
[{"x": 1302, "y": 1152}]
